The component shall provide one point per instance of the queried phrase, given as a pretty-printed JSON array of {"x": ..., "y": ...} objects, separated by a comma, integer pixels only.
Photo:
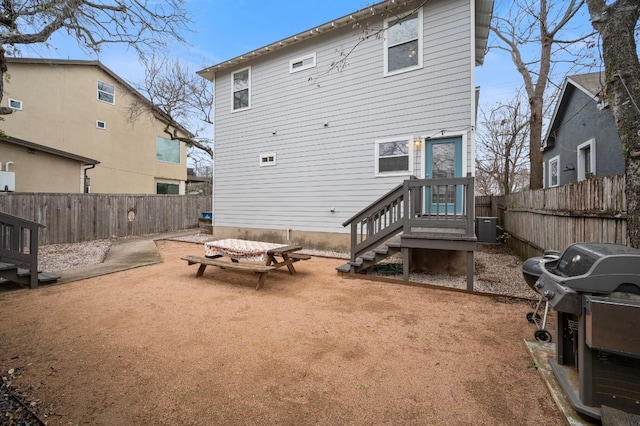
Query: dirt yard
[{"x": 156, "y": 345}]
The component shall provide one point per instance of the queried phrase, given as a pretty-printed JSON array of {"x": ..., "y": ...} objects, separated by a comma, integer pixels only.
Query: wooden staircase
[
  {"x": 370, "y": 258},
  {"x": 419, "y": 214},
  {"x": 19, "y": 252}
]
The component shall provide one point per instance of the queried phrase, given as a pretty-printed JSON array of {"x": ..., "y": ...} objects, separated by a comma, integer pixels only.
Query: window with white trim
[
  {"x": 393, "y": 156},
  {"x": 554, "y": 171},
  {"x": 302, "y": 63},
  {"x": 267, "y": 160},
  {"x": 106, "y": 92},
  {"x": 403, "y": 44},
  {"x": 241, "y": 89},
  {"x": 586, "y": 159},
  {"x": 15, "y": 104},
  {"x": 101, "y": 125}
]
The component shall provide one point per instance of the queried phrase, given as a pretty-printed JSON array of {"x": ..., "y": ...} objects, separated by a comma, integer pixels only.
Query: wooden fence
[
  {"x": 71, "y": 218},
  {"x": 592, "y": 210}
]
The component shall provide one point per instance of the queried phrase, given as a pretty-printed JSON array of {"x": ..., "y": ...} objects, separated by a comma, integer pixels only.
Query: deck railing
[
  {"x": 19, "y": 244},
  {"x": 431, "y": 208}
]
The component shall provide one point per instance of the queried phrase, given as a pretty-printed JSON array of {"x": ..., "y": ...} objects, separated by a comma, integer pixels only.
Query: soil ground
[{"x": 156, "y": 345}]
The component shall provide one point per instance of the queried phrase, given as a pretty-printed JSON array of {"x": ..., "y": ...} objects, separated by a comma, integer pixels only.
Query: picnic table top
[{"x": 246, "y": 249}]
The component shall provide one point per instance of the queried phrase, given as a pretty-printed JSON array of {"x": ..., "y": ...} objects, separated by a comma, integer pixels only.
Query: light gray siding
[{"x": 323, "y": 167}]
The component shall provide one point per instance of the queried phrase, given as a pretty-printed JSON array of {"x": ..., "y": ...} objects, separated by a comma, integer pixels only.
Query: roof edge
[{"x": 34, "y": 146}]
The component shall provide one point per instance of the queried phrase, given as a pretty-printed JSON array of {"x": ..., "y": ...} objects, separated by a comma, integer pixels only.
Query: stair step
[
  {"x": 7, "y": 266},
  {"x": 382, "y": 250},
  {"x": 43, "y": 277},
  {"x": 357, "y": 262},
  {"x": 368, "y": 256},
  {"x": 344, "y": 268}
]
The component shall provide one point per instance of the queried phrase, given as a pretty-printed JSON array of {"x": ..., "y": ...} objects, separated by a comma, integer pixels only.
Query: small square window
[
  {"x": 268, "y": 159},
  {"x": 106, "y": 92},
  {"x": 101, "y": 125},
  {"x": 15, "y": 104},
  {"x": 302, "y": 63},
  {"x": 167, "y": 150}
]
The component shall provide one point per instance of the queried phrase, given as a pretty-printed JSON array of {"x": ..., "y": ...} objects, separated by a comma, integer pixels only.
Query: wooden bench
[{"x": 259, "y": 269}]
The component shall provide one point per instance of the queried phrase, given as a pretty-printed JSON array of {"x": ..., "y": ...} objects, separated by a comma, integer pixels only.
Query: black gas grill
[{"x": 595, "y": 289}]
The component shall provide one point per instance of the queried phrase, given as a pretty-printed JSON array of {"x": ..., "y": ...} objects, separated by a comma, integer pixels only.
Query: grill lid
[{"x": 595, "y": 268}]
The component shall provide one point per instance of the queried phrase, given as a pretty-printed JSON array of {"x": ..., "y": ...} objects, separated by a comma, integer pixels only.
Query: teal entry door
[{"x": 443, "y": 160}]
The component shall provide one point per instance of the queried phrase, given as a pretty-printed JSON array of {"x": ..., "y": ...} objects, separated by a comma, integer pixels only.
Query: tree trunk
[
  {"x": 616, "y": 24},
  {"x": 535, "y": 138},
  {"x": 3, "y": 71}
]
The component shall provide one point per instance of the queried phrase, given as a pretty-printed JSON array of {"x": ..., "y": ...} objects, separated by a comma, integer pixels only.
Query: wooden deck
[{"x": 435, "y": 214}]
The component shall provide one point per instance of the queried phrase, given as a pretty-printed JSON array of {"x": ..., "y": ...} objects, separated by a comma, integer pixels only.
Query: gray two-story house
[
  {"x": 582, "y": 140},
  {"x": 312, "y": 129}
]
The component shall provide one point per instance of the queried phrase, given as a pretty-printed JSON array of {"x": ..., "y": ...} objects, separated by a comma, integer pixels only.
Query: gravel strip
[{"x": 497, "y": 269}]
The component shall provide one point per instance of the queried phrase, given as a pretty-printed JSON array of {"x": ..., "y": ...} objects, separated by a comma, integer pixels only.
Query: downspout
[{"x": 85, "y": 177}]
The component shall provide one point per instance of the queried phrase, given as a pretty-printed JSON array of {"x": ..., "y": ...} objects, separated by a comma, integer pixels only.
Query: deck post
[
  {"x": 470, "y": 270},
  {"x": 405, "y": 263}
]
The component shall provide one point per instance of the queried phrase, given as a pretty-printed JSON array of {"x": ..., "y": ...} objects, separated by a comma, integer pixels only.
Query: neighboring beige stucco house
[
  {"x": 30, "y": 167},
  {"x": 83, "y": 108}
]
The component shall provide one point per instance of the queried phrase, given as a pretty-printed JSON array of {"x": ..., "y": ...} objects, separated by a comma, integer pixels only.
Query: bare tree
[
  {"x": 140, "y": 24},
  {"x": 502, "y": 147},
  {"x": 531, "y": 31},
  {"x": 178, "y": 92},
  {"x": 616, "y": 22}
]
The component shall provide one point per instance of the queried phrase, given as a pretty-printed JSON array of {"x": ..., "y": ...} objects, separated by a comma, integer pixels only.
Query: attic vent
[{"x": 302, "y": 63}]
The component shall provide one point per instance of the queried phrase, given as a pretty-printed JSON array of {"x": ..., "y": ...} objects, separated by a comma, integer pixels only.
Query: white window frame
[
  {"x": 102, "y": 125},
  {"x": 386, "y": 25},
  {"x": 98, "y": 91},
  {"x": 268, "y": 159},
  {"x": 17, "y": 108},
  {"x": 555, "y": 159},
  {"x": 404, "y": 138},
  {"x": 301, "y": 60},
  {"x": 591, "y": 144},
  {"x": 233, "y": 91}
]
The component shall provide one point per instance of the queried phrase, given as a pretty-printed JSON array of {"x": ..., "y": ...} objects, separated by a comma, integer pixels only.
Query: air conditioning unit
[{"x": 7, "y": 181}]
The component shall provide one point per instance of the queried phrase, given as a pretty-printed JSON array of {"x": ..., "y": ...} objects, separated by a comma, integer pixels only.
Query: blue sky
[{"x": 223, "y": 29}]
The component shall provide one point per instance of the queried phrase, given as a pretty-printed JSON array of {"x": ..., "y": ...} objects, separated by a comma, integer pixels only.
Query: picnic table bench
[{"x": 260, "y": 269}]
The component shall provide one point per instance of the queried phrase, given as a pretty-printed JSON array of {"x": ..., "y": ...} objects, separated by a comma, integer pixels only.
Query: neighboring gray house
[
  {"x": 582, "y": 139},
  {"x": 312, "y": 129}
]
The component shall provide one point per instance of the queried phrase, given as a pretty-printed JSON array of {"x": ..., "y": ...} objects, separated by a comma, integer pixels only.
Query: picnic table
[{"x": 257, "y": 256}]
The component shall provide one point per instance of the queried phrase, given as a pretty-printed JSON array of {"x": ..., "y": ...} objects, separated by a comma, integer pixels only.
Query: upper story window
[
  {"x": 302, "y": 63},
  {"x": 403, "y": 44},
  {"x": 167, "y": 150},
  {"x": 15, "y": 104},
  {"x": 106, "y": 92},
  {"x": 393, "y": 156},
  {"x": 241, "y": 88}
]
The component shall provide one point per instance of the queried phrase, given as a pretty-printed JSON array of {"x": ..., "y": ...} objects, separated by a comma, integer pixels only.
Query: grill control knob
[
  {"x": 548, "y": 294},
  {"x": 539, "y": 284}
]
